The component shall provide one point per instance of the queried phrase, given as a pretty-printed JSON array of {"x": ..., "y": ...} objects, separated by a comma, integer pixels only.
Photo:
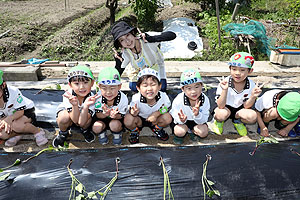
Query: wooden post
[
  {"x": 235, "y": 11},
  {"x": 218, "y": 18}
]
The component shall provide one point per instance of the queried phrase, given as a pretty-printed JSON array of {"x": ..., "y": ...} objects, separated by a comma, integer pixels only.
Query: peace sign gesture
[
  {"x": 142, "y": 35},
  {"x": 114, "y": 112},
  {"x": 196, "y": 107},
  {"x": 134, "y": 110},
  {"x": 257, "y": 89},
  {"x": 72, "y": 99},
  {"x": 182, "y": 116},
  {"x": 116, "y": 55},
  {"x": 223, "y": 83},
  {"x": 105, "y": 110},
  {"x": 91, "y": 100}
]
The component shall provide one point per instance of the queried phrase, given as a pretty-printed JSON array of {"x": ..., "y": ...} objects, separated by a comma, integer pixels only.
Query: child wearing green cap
[
  {"x": 190, "y": 108},
  {"x": 149, "y": 107},
  {"x": 17, "y": 116},
  {"x": 110, "y": 107},
  {"x": 77, "y": 106},
  {"x": 280, "y": 106},
  {"x": 236, "y": 94}
]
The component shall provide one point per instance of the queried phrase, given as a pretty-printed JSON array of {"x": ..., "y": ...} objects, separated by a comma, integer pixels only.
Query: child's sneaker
[
  {"x": 292, "y": 133},
  {"x": 134, "y": 136},
  {"x": 178, "y": 140},
  {"x": 40, "y": 138},
  {"x": 218, "y": 127},
  {"x": 240, "y": 127},
  {"x": 117, "y": 140},
  {"x": 60, "y": 139},
  {"x": 88, "y": 135},
  {"x": 160, "y": 133},
  {"x": 193, "y": 136},
  {"x": 12, "y": 141},
  {"x": 103, "y": 138},
  {"x": 297, "y": 129}
]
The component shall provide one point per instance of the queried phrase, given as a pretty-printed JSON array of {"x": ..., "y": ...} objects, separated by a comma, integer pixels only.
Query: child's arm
[
  {"x": 221, "y": 101},
  {"x": 164, "y": 36},
  {"x": 285, "y": 131},
  {"x": 153, "y": 117},
  {"x": 254, "y": 94},
  {"x": 263, "y": 129},
  {"x": 202, "y": 116},
  {"x": 7, "y": 122},
  {"x": 84, "y": 115}
]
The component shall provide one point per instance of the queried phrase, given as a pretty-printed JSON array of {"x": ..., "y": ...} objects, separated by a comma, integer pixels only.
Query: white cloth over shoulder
[{"x": 267, "y": 100}]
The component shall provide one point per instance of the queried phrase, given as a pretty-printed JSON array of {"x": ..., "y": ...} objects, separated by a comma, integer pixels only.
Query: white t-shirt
[
  {"x": 267, "y": 100},
  {"x": 182, "y": 102},
  {"x": 66, "y": 105},
  {"x": 234, "y": 98},
  {"x": 120, "y": 102},
  {"x": 145, "y": 109},
  {"x": 14, "y": 101}
]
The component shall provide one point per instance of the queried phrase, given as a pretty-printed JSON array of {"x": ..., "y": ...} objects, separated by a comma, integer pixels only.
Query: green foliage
[
  {"x": 166, "y": 181},
  {"x": 78, "y": 191},
  {"x": 207, "y": 185},
  {"x": 145, "y": 12},
  {"x": 263, "y": 140}
]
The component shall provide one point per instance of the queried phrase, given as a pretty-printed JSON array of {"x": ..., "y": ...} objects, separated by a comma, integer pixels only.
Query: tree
[{"x": 112, "y": 5}]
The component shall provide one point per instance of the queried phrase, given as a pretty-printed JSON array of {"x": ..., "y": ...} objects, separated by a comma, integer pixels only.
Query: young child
[
  {"x": 77, "y": 107},
  {"x": 149, "y": 107},
  {"x": 17, "y": 116},
  {"x": 190, "y": 108},
  {"x": 139, "y": 52},
  {"x": 236, "y": 94},
  {"x": 280, "y": 106},
  {"x": 111, "y": 107}
]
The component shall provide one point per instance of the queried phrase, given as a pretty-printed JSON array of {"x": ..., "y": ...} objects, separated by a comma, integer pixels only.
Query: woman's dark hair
[
  {"x": 79, "y": 79},
  {"x": 145, "y": 77}
]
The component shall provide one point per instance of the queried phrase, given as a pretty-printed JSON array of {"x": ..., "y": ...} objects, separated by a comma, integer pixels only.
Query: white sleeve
[
  {"x": 176, "y": 106},
  {"x": 203, "y": 115},
  {"x": 126, "y": 59},
  {"x": 167, "y": 101},
  {"x": 124, "y": 106}
]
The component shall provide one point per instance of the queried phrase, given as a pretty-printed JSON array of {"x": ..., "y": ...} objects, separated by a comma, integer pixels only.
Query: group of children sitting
[{"x": 109, "y": 108}]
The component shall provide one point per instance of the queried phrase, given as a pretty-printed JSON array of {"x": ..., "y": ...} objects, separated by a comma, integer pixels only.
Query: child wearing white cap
[
  {"x": 17, "y": 116},
  {"x": 110, "y": 107},
  {"x": 149, "y": 107},
  {"x": 190, "y": 108},
  {"x": 77, "y": 107}
]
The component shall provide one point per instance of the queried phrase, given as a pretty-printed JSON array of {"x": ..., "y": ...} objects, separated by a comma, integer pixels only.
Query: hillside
[{"x": 80, "y": 30}]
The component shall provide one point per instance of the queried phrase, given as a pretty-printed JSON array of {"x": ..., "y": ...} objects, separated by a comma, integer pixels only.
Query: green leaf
[
  {"x": 17, "y": 162},
  {"x": 210, "y": 182},
  {"x": 1, "y": 170},
  {"x": 217, "y": 192},
  {"x": 100, "y": 193},
  {"x": 210, "y": 193},
  {"x": 79, "y": 197},
  {"x": 58, "y": 87},
  {"x": 79, "y": 188},
  {"x": 4, "y": 177},
  {"x": 92, "y": 195}
]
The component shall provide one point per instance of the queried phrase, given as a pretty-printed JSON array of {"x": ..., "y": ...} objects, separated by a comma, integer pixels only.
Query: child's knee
[
  {"x": 115, "y": 126},
  {"x": 201, "y": 130},
  {"x": 98, "y": 127},
  {"x": 179, "y": 131},
  {"x": 128, "y": 119},
  {"x": 3, "y": 135}
]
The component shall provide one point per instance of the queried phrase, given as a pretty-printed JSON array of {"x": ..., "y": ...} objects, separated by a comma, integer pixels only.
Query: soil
[{"x": 79, "y": 30}]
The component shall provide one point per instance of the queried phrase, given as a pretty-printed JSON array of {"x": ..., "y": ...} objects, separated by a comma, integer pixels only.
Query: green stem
[{"x": 17, "y": 162}]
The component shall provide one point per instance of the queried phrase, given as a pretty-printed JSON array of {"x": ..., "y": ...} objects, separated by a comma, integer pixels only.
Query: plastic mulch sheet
[{"x": 272, "y": 173}]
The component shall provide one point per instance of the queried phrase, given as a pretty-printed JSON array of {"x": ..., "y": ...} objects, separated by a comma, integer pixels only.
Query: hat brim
[
  {"x": 116, "y": 42},
  {"x": 236, "y": 64}
]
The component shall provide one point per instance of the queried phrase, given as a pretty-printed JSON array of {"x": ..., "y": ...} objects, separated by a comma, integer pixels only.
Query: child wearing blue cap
[
  {"x": 110, "y": 107},
  {"x": 17, "y": 116}
]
